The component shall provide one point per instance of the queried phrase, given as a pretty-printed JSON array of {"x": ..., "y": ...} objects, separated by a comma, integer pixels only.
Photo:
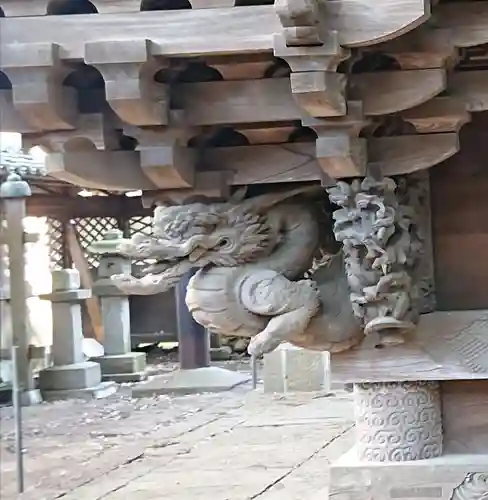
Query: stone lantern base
[{"x": 120, "y": 368}]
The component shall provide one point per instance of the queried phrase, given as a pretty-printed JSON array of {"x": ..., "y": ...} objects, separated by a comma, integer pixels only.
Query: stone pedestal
[
  {"x": 119, "y": 363},
  {"x": 71, "y": 376},
  {"x": 293, "y": 369},
  {"x": 418, "y": 439}
]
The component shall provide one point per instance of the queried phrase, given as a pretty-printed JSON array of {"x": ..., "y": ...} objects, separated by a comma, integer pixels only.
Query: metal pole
[
  {"x": 254, "y": 371},
  {"x": 16, "y": 389}
]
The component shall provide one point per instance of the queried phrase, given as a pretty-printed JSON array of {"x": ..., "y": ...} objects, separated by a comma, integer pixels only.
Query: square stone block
[
  {"x": 76, "y": 376},
  {"x": 132, "y": 362},
  {"x": 65, "y": 279},
  {"x": 293, "y": 369}
]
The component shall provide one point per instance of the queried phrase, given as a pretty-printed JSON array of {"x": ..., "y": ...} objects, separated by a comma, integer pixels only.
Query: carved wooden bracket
[
  {"x": 320, "y": 93},
  {"x": 94, "y": 131},
  {"x": 213, "y": 185},
  {"x": 110, "y": 170},
  {"x": 301, "y": 22},
  {"x": 386, "y": 92},
  {"x": 313, "y": 53},
  {"x": 340, "y": 152},
  {"x": 165, "y": 159},
  {"x": 37, "y": 73},
  {"x": 441, "y": 114},
  {"x": 128, "y": 68},
  {"x": 11, "y": 120}
]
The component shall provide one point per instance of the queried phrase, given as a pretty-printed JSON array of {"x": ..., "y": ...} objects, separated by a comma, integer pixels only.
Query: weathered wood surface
[
  {"x": 388, "y": 92},
  {"x": 62, "y": 207},
  {"x": 16, "y": 8},
  {"x": 80, "y": 262},
  {"x": 465, "y": 416},
  {"x": 271, "y": 100},
  {"x": 459, "y": 221},
  {"x": 471, "y": 87},
  {"x": 121, "y": 170},
  {"x": 117, "y": 170},
  {"x": 439, "y": 349},
  {"x": 213, "y": 31},
  {"x": 468, "y": 22}
]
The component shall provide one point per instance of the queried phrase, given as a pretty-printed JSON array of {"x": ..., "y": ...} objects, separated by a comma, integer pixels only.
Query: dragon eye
[{"x": 224, "y": 242}]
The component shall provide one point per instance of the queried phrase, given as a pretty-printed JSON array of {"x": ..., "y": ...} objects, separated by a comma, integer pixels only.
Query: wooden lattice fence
[{"x": 89, "y": 230}]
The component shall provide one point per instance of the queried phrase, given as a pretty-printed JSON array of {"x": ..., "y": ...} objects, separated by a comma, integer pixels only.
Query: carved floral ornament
[{"x": 253, "y": 255}]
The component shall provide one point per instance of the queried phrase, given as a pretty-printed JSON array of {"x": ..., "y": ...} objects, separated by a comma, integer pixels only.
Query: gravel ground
[{"x": 135, "y": 448}]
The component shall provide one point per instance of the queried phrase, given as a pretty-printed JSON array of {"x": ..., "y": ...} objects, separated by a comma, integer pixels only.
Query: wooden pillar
[{"x": 193, "y": 339}]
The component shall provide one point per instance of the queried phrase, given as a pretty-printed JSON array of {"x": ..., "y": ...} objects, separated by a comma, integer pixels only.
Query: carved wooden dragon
[{"x": 252, "y": 256}]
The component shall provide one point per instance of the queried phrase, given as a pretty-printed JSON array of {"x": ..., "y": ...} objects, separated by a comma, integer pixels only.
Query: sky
[{"x": 10, "y": 140}]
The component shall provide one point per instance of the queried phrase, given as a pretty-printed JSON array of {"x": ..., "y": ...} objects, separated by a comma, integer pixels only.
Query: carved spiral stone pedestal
[{"x": 398, "y": 421}]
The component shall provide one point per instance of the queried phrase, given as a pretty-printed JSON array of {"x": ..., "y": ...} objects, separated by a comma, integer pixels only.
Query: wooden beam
[
  {"x": 70, "y": 207},
  {"x": 93, "y": 131},
  {"x": 11, "y": 120},
  {"x": 110, "y": 170},
  {"x": 80, "y": 262},
  {"x": 266, "y": 100},
  {"x": 249, "y": 101},
  {"x": 426, "y": 47},
  {"x": 441, "y": 114},
  {"x": 468, "y": 22},
  {"x": 410, "y": 153},
  {"x": 128, "y": 68},
  {"x": 217, "y": 31},
  {"x": 471, "y": 87},
  {"x": 272, "y": 100},
  {"x": 387, "y": 92},
  {"x": 36, "y": 72},
  {"x": 296, "y": 162},
  {"x": 17, "y": 8}
]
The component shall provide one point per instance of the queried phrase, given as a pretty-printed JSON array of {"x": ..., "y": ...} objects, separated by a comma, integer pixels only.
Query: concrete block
[
  {"x": 75, "y": 376},
  {"x": 293, "y": 369}
]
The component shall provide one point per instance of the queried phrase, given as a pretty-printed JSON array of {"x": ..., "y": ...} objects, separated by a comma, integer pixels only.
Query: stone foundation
[{"x": 398, "y": 421}]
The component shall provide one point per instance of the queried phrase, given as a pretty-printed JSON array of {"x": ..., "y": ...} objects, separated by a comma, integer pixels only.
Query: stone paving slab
[{"x": 231, "y": 446}]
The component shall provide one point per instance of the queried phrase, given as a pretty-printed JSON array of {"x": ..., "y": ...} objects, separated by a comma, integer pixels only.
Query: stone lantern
[{"x": 118, "y": 363}]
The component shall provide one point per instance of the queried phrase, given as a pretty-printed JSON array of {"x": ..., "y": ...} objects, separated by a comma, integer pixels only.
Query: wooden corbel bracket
[
  {"x": 94, "y": 131},
  {"x": 37, "y": 74},
  {"x": 109, "y": 170},
  {"x": 340, "y": 152},
  {"x": 165, "y": 159},
  {"x": 211, "y": 185},
  {"x": 386, "y": 92},
  {"x": 313, "y": 53},
  {"x": 128, "y": 68}
]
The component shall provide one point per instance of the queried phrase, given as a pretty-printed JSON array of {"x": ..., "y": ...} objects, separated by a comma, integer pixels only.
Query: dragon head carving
[{"x": 197, "y": 235}]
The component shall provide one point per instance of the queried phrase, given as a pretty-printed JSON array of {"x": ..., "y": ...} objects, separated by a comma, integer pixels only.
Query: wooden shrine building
[{"x": 190, "y": 100}]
